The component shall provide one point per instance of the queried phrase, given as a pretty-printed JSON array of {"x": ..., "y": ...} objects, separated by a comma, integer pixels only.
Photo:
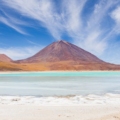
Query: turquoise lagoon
[{"x": 59, "y": 83}]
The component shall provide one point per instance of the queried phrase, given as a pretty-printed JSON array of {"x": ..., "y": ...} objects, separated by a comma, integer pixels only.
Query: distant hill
[{"x": 5, "y": 58}]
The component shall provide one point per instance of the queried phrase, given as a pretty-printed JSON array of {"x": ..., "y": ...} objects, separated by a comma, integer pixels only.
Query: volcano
[
  {"x": 62, "y": 51},
  {"x": 59, "y": 55},
  {"x": 62, "y": 55}
]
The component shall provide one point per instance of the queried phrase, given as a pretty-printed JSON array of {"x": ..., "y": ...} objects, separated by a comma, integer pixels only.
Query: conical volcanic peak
[
  {"x": 63, "y": 51},
  {"x": 61, "y": 55},
  {"x": 5, "y": 58},
  {"x": 60, "y": 41}
]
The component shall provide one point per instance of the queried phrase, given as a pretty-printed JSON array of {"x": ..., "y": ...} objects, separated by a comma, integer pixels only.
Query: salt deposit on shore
[{"x": 58, "y": 101}]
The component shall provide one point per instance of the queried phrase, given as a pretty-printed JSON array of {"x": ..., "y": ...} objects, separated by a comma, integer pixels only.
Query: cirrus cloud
[{"x": 67, "y": 18}]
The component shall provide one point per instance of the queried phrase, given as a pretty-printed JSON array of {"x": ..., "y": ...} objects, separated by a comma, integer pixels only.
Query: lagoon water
[{"x": 59, "y": 83}]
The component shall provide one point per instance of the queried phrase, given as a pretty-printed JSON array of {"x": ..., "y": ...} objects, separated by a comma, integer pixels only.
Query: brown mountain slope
[
  {"x": 56, "y": 66},
  {"x": 4, "y": 58},
  {"x": 62, "y": 51}
]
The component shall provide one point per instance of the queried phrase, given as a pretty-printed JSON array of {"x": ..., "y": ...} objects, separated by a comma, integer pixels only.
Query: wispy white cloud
[
  {"x": 92, "y": 35},
  {"x": 116, "y": 17},
  {"x": 45, "y": 11},
  {"x": 11, "y": 24},
  {"x": 40, "y": 10},
  {"x": 17, "y": 53},
  {"x": 33, "y": 43},
  {"x": 71, "y": 13},
  {"x": 68, "y": 19}
]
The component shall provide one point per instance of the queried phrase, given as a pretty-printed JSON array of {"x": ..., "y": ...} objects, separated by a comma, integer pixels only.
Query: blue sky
[{"x": 28, "y": 26}]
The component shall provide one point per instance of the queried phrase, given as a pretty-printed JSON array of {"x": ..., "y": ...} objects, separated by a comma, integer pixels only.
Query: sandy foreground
[
  {"x": 81, "y": 112},
  {"x": 90, "y": 107}
]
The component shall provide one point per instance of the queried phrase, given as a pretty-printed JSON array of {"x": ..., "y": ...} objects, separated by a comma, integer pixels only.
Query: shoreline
[
  {"x": 90, "y": 99},
  {"x": 67, "y": 71},
  {"x": 4, "y": 72}
]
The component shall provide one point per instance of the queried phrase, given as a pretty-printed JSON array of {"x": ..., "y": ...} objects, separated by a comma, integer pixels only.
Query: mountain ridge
[
  {"x": 59, "y": 56},
  {"x": 62, "y": 51}
]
